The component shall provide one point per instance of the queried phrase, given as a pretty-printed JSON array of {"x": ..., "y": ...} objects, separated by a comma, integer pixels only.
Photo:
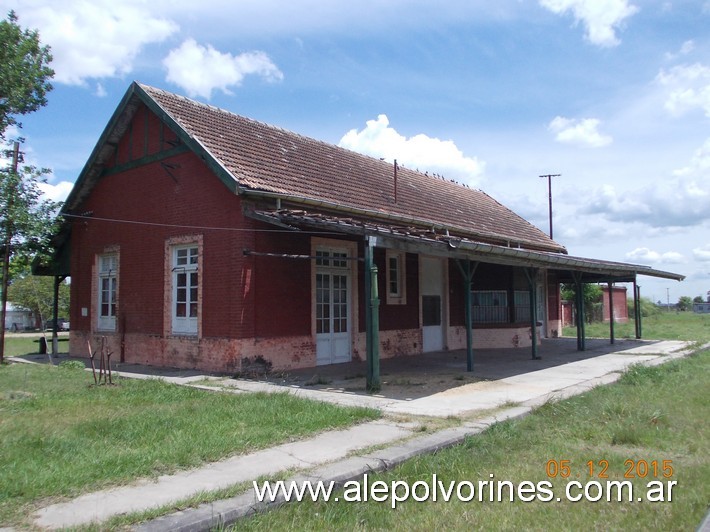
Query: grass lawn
[
  {"x": 18, "y": 345},
  {"x": 653, "y": 413},
  {"x": 661, "y": 326},
  {"x": 62, "y": 436}
]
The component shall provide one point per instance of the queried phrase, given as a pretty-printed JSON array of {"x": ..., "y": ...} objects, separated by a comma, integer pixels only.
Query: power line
[{"x": 193, "y": 227}]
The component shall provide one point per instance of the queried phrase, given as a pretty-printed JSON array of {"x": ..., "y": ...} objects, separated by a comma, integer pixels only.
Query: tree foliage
[
  {"x": 24, "y": 72},
  {"x": 37, "y": 294},
  {"x": 26, "y": 219},
  {"x": 591, "y": 295},
  {"x": 685, "y": 303}
]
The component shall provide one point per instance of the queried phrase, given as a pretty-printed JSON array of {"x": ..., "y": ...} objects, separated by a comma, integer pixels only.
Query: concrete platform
[{"x": 437, "y": 384}]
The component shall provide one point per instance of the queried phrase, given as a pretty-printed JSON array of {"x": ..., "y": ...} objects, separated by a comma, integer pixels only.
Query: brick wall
[
  {"x": 621, "y": 309},
  {"x": 249, "y": 306}
]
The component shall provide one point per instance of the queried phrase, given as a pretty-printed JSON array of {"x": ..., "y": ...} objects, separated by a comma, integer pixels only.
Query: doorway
[
  {"x": 332, "y": 302},
  {"x": 433, "y": 303}
]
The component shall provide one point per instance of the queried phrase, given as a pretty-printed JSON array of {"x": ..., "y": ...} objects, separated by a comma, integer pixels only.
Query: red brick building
[
  {"x": 618, "y": 303},
  {"x": 199, "y": 238}
]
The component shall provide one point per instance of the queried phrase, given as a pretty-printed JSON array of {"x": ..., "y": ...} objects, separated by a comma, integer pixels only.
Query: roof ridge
[
  {"x": 434, "y": 176},
  {"x": 254, "y": 155}
]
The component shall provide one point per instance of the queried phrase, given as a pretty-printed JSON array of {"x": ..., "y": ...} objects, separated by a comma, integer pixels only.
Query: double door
[{"x": 332, "y": 308}]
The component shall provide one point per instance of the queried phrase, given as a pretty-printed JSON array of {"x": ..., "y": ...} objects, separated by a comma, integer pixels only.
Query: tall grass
[{"x": 661, "y": 326}]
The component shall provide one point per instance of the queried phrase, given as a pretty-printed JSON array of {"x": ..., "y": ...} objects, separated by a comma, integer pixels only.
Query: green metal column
[
  {"x": 55, "y": 316},
  {"x": 372, "y": 319},
  {"x": 531, "y": 274},
  {"x": 579, "y": 305},
  {"x": 467, "y": 274},
  {"x": 637, "y": 309},
  {"x": 611, "y": 312}
]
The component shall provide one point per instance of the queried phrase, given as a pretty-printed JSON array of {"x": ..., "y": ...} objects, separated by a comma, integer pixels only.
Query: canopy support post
[{"x": 467, "y": 274}]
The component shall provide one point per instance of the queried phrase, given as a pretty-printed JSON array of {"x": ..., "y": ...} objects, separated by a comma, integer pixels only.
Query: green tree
[
  {"x": 685, "y": 303},
  {"x": 24, "y": 72},
  {"x": 25, "y": 219},
  {"x": 698, "y": 299},
  {"x": 37, "y": 294},
  {"x": 591, "y": 295},
  {"x": 26, "y": 222}
]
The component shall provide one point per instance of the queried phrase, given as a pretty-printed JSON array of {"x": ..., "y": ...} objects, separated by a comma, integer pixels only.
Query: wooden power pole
[{"x": 549, "y": 193}]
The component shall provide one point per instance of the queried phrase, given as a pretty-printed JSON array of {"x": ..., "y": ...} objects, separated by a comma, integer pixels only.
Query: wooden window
[
  {"x": 185, "y": 290},
  {"x": 107, "y": 288},
  {"x": 395, "y": 278}
]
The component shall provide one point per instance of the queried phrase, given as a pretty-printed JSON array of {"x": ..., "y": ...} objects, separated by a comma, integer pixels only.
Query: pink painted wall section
[
  {"x": 554, "y": 328},
  {"x": 392, "y": 344},
  {"x": 219, "y": 355},
  {"x": 503, "y": 337}
]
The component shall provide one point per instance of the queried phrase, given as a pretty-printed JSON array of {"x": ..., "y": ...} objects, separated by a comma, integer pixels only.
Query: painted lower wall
[
  {"x": 230, "y": 356},
  {"x": 492, "y": 338},
  {"x": 219, "y": 355},
  {"x": 554, "y": 328}
]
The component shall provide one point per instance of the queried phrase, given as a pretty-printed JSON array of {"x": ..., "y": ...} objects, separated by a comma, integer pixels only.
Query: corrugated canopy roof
[{"x": 431, "y": 242}]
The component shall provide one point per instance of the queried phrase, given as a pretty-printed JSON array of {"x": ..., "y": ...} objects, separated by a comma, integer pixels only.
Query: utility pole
[
  {"x": 6, "y": 258},
  {"x": 549, "y": 193}
]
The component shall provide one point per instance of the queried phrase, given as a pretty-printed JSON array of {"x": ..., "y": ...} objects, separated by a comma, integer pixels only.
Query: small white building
[{"x": 18, "y": 318}]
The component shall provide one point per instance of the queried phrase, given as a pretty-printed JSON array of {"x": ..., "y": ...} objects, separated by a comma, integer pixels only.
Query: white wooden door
[
  {"x": 432, "y": 303},
  {"x": 332, "y": 293}
]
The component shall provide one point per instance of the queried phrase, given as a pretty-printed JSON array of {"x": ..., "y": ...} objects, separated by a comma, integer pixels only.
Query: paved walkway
[{"x": 343, "y": 455}]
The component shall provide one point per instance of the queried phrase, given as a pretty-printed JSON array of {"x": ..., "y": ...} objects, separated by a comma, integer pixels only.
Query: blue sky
[{"x": 612, "y": 94}]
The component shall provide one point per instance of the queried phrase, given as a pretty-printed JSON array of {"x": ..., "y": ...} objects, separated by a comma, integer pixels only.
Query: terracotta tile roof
[{"x": 261, "y": 157}]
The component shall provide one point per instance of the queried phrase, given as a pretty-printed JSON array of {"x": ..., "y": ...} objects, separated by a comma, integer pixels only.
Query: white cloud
[
  {"x": 58, "y": 192},
  {"x": 685, "y": 49},
  {"x": 680, "y": 200},
  {"x": 100, "y": 91},
  {"x": 676, "y": 202},
  {"x": 202, "y": 69},
  {"x": 699, "y": 166},
  {"x": 688, "y": 46},
  {"x": 582, "y": 132},
  {"x": 601, "y": 18},
  {"x": 378, "y": 139},
  {"x": 688, "y": 88},
  {"x": 702, "y": 253},
  {"x": 94, "y": 39},
  {"x": 648, "y": 256}
]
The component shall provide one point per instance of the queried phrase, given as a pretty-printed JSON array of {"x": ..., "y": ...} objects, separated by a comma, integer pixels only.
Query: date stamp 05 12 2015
[
  {"x": 656, "y": 474},
  {"x": 600, "y": 469}
]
